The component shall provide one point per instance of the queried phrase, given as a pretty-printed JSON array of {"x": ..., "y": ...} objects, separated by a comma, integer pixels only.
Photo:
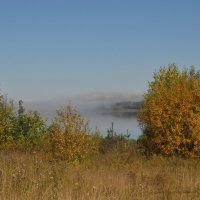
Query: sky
[{"x": 55, "y": 48}]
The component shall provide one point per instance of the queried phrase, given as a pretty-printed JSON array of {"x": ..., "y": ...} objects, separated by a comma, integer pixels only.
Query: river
[{"x": 123, "y": 122}]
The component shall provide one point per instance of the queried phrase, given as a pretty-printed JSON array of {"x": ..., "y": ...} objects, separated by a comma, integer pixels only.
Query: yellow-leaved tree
[
  {"x": 7, "y": 115},
  {"x": 71, "y": 137},
  {"x": 170, "y": 115}
]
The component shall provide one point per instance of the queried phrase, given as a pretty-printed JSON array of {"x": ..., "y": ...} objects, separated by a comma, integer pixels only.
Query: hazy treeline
[{"x": 169, "y": 117}]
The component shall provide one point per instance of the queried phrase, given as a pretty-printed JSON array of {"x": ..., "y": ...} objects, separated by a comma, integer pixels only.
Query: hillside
[{"x": 126, "y": 106}]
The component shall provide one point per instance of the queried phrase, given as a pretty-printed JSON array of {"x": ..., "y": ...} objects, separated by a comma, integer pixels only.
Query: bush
[
  {"x": 118, "y": 143},
  {"x": 70, "y": 137},
  {"x": 7, "y": 115},
  {"x": 170, "y": 115},
  {"x": 29, "y": 128},
  {"x": 22, "y": 129}
]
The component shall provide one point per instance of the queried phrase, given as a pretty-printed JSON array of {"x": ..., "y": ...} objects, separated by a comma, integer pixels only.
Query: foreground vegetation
[
  {"x": 67, "y": 160},
  {"x": 34, "y": 175}
]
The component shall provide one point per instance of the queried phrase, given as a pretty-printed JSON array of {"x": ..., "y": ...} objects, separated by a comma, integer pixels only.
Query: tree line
[{"x": 169, "y": 118}]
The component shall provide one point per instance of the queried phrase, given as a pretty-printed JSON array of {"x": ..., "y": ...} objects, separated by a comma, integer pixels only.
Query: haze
[{"x": 50, "y": 50}]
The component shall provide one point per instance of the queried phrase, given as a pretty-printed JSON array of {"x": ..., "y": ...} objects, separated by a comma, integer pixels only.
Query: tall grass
[{"x": 34, "y": 175}]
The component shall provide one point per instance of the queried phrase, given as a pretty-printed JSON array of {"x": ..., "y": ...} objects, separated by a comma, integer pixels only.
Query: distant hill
[{"x": 127, "y": 106}]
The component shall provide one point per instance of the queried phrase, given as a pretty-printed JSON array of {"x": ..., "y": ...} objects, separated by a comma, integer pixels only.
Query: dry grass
[{"x": 25, "y": 175}]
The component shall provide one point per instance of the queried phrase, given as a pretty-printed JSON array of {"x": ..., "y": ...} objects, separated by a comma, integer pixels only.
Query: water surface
[{"x": 123, "y": 122}]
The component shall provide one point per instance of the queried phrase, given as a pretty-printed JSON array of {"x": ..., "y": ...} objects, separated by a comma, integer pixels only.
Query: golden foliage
[
  {"x": 170, "y": 116},
  {"x": 70, "y": 136},
  {"x": 6, "y": 117}
]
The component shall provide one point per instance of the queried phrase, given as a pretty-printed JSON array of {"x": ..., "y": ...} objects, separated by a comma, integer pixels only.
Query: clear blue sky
[{"x": 54, "y": 48}]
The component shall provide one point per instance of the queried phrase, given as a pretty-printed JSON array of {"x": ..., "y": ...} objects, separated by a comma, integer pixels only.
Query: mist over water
[{"x": 95, "y": 108}]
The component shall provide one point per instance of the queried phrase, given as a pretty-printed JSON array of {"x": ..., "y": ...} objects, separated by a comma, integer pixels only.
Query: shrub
[
  {"x": 118, "y": 142},
  {"x": 24, "y": 129},
  {"x": 70, "y": 137},
  {"x": 170, "y": 115},
  {"x": 7, "y": 115},
  {"x": 29, "y": 128}
]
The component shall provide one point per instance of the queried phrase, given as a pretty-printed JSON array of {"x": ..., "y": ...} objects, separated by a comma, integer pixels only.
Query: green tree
[
  {"x": 29, "y": 127},
  {"x": 170, "y": 115}
]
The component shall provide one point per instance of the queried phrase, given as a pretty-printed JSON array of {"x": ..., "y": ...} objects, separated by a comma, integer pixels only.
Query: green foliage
[
  {"x": 114, "y": 142},
  {"x": 28, "y": 127},
  {"x": 170, "y": 115},
  {"x": 23, "y": 129},
  {"x": 118, "y": 142}
]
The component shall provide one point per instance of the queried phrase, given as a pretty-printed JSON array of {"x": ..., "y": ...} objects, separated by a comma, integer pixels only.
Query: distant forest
[{"x": 127, "y": 105}]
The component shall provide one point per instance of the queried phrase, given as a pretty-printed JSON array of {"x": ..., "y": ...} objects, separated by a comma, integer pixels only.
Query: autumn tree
[
  {"x": 170, "y": 115},
  {"x": 7, "y": 114},
  {"x": 70, "y": 137}
]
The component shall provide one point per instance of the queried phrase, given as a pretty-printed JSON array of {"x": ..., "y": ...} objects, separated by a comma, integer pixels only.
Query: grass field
[{"x": 34, "y": 175}]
